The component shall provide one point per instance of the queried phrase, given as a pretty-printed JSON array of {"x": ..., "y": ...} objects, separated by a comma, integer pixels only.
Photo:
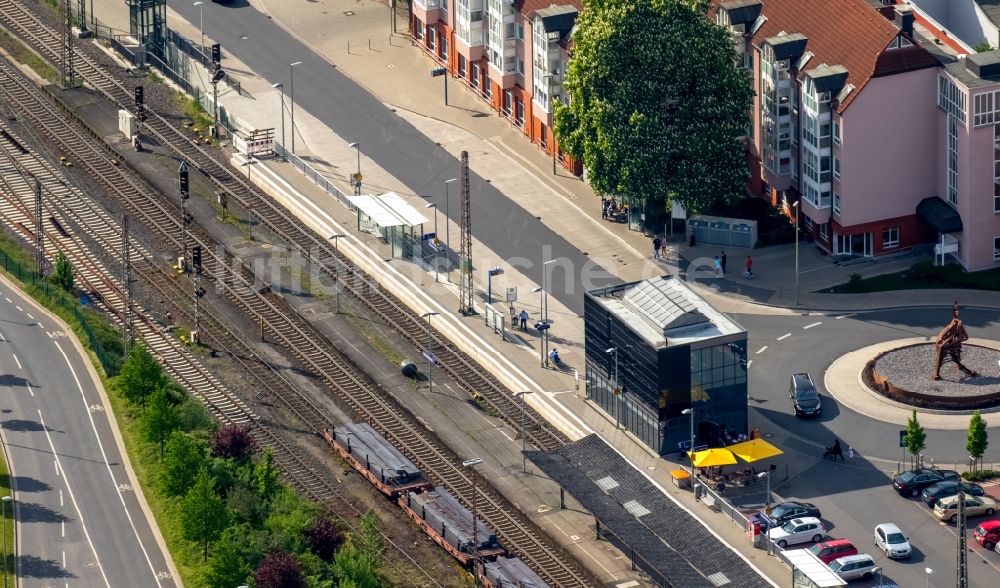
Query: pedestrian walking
[
  {"x": 524, "y": 319},
  {"x": 657, "y": 243},
  {"x": 717, "y": 266},
  {"x": 723, "y": 262},
  {"x": 663, "y": 248},
  {"x": 850, "y": 452},
  {"x": 748, "y": 274},
  {"x": 604, "y": 208}
]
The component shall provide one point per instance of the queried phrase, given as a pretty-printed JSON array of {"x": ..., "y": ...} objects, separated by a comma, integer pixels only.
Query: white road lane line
[
  {"x": 30, "y": 390},
  {"x": 60, "y": 498},
  {"x": 73, "y": 500},
  {"x": 19, "y": 309},
  {"x": 63, "y": 528},
  {"x": 749, "y": 363},
  {"x": 837, "y": 318},
  {"x": 762, "y": 350},
  {"x": 17, "y": 360},
  {"x": 104, "y": 455},
  {"x": 785, "y": 336},
  {"x": 504, "y": 433},
  {"x": 2, "y": 338},
  {"x": 29, "y": 315},
  {"x": 8, "y": 300},
  {"x": 64, "y": 559},
  {"x": 816, "y": 324}
]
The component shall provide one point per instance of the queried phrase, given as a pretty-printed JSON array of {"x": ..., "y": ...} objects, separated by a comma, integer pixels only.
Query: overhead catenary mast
[{"x": 465, "y": 295}]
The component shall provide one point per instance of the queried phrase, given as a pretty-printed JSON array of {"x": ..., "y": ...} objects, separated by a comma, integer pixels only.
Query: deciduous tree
[
  {"x": 232, "y": 558},
  {"x": 266, "y": 478},
  {"x": 915, "y": 438},
  {"x": 233, "y": 442},
  {"x": 657, "y": 104},
  {"x": 279, "y": 569},
  {"x": 159, "y": 420},
  {"x": 324, "y": 537},
  {"x": 203, "y": 513},
  {"x": 183, "y": 458},
  {"x": 978, "y": 438},
  {"x": 369, "y": 541},
  {"x": 140, "y": 376}
]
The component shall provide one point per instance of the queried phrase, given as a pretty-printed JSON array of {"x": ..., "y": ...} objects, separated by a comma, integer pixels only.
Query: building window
[
  {"x": 520, "y": 66},
  {"x": 986, "y": 109},
  {"x": 836, "y": 203},
  {"x": 520, "y": 31},
  {"x": 475, "y": 74},
  {"x": 890, "y": 238},
  {"x": 487, "y": 87},
  {"x": 418, "y": 29},
  {"x": 996, "y": 167},
  {"x": 461, "y": 66},
  {"x": 836, "y": 167},
  {"x": 952, "y": 159},
  {"x": 824, "y": 231},
  {"x": 836, "y": 132},
  {"x": 808, "y": 222},
  {"x": 543, "y": 137},
  {"x": 951, "y": 99},
  {"x": 519, "y": 112},
  {"x": 442, "y": 47},
  {"x": 508, "y": 100},
  {"x": 996, "y": 248},
  {"x": 430, "y": 37}
]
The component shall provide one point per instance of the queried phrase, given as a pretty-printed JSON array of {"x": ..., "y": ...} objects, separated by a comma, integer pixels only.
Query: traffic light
[
  {"x": 138, "y": 96},
  {"x": 216, "y": 54},
  {"x": 196, "y": 258}
]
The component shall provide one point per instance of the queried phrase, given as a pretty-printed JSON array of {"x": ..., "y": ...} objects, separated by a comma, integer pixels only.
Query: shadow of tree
[
  {"x": 32, "y": 512},
  {"x": 22, "y": 425},
  {"x": 12, "y": 381},
  {"x": 23, "y": 483},
  {"x": 32, "y": 566}
]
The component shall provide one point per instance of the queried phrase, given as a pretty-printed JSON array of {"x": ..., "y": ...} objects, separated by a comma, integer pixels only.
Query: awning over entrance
[
  {"x": 940, "y": 215},
  {"x": 388, "y": 210}
]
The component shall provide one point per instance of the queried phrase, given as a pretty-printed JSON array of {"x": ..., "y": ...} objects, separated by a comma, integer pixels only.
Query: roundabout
[{"x": 900, "y": 375}]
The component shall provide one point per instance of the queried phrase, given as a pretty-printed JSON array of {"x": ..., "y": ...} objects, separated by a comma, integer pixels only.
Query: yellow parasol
[
  {"x": 754, "y": 450},
  {"x": 710, "y": 458}
]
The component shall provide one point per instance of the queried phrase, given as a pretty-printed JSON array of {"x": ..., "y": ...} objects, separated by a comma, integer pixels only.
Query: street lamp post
[
  {"x": 690, "y": 411},
  {"x": 356, "y": 145},
  {"x": 927, "y": 576},
  {"x": 201, "y": 17},
  {"x": 524, "y": 436},
  {"x": 281, "y": 87},
  {"x": 437, "y": 250},
  {"x": 291, "y": 95},
  {"x": 795, "y": 207},
  {"x": 336, "y": 265},
  {"x": 767, "y": 497},
  {"x": 475, "y": 538},
  {"x": 4, "y": 502},
  {"x": 427, "y": 352},
  {"x": 614, "y": 392},
  {"x": 545, "y": 313}
]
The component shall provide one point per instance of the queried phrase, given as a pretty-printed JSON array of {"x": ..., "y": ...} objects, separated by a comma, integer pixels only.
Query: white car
[
  {"x": 892, "y": 541},
  {"x": 804, "y": 530}
]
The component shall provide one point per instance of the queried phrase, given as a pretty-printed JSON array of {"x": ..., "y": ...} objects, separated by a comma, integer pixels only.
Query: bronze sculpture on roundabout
[{"x": 949, "y": 343}]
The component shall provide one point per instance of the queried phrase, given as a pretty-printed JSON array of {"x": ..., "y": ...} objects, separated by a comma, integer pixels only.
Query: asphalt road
[
  {"x": 355, "y": 114},
  {"x": 78, "y": 521},
  {"x": 856, "y": 496}
]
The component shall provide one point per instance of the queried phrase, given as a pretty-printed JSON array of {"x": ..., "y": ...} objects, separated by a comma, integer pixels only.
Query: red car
[
  {"x": 988, "y": 533},
  {"x": 828, "y": 551}
]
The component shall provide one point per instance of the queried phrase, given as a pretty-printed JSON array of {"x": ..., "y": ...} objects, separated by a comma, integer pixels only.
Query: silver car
[
  {"x": 891, "y": 540},
  {"x": 795, "y": 531},
  {"x": 854, "y": 567}
]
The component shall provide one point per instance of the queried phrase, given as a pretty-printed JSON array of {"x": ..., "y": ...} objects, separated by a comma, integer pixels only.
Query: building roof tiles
[{"x": 851, "y": 33}]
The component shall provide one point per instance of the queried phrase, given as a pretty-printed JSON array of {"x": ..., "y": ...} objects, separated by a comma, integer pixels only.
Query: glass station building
[{"x": 654, "y": 349}]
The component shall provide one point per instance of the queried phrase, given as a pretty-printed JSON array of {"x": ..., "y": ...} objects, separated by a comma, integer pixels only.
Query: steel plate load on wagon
[
  {"x": 372, "y": 455},
  {"x": 510, "y": 572},
  {"x": 447, "y": 520}
]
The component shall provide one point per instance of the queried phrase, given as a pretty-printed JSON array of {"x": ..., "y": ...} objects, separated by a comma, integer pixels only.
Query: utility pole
[
  {"x": 198, "y": 293},
  {"x": 39, "y": 232},
  {"x": 182, "y": 177},
  {"x": 962, "y": 572},
  {"x": 126, "y": 287},
  {"x": 82, "y": 16},
  {"x": 68, "y": 76},
  {"x": 465, "y": 296}
]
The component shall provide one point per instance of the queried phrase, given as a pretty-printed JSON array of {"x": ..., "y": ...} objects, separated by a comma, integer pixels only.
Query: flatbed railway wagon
[
  {"x": 376, "y": 459},
  {"x": 509, "y": 572},
  {"x": 450, "y": 525}
]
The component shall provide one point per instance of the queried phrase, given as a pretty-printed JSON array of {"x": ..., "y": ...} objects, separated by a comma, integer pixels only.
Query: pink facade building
[{"x": 879, "y": 136}]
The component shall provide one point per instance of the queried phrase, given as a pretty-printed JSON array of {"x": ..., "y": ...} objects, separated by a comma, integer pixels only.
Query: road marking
[
  {"x": 17, "y": 360},
  {"x": 504, "y": 433},
  {"x": 837, "y": 318},
  {"x": 19, "y": 309},
  {"x": 60, "y": 498},
  {"x": 64, "y": 559},
  {"x": 72, "y": 498},
  {"x": 2, "y": 338},
  {"x": 63, "y": 526},
  {"x": 8, "y": 300},
  {"x": 104, "y": 456},
  {"x": 762, "y": 350},
  {"x": 29, "y": 315},
  {"x": 816, "y": 324},
  {"x": 749, "y": 363},
  {"x": 785, "y": 336},
  {"x": 30, "y": 391}
]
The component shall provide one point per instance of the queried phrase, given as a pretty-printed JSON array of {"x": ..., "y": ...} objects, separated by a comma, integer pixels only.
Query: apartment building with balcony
[
  {"x": 511, "y": 53},
  {"x": 867, "y": 123}
]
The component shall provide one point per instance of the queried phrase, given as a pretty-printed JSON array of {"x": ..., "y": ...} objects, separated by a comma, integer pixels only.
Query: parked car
[
  {"x": 892, "y": 541},
  {"x": 854, "y": 567},
  {"x": 786, "y": 511},
  {"x": 988, "y": 534},
  {"x": 946, "y": 509},
  {"x": 804, "y": 530},
  {"x": 913, "y": 481},
  {"x": 827, "y": 551},
  {"x": 946, "y": 488},
  {"x": 805, "y": 398}
]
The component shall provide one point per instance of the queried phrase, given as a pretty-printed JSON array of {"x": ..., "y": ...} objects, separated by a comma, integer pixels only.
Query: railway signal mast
[
  {"x": 217, "y": 75},
  {"x": 67, "y": 73},
  {"x": 182, "y": 177}
]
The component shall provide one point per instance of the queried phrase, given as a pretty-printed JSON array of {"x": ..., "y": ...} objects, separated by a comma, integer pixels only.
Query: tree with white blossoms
[{"x": 657, "y": 104}]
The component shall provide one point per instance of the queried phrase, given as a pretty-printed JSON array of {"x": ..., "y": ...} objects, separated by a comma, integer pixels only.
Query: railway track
[
  {"x": 78, "y": 215},
  {"x": 346, "y": 382},
  {"x": 456, "y": 363}
]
